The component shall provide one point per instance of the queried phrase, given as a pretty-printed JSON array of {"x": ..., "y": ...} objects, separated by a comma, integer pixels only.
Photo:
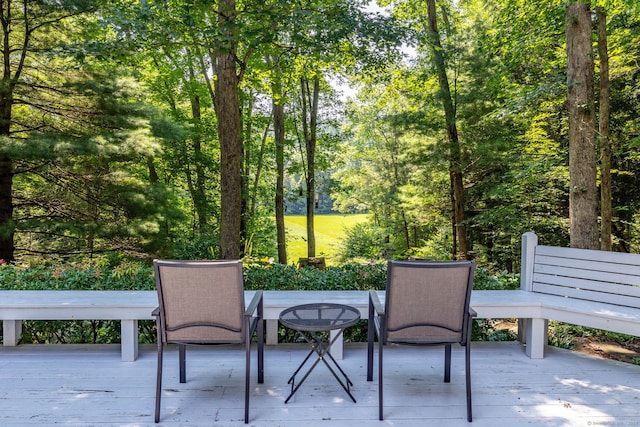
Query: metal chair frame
[
  {"x": 378, "y": 328},
  {"x": 253, "y": 322}
]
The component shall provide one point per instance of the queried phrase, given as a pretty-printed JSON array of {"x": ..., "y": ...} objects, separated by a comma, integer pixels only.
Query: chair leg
[
  {"x": 261, "y": 351},
  {"x": 370, "y": 339},
  {"x": 182, "y": 352},
  {"x": 247, "y": 374},
  {"x": 447, "y": 363},
  {"x": 380, "y": 377},
  {"x": 468, "y": 378},
  {"x": 159, "y": 382}
]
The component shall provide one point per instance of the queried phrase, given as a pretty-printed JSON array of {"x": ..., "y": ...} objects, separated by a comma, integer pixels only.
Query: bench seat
[
  {"x": 589, "y": 288},
  {"x": 126, "y": 306},
  {"x": 129, "y": 307}
]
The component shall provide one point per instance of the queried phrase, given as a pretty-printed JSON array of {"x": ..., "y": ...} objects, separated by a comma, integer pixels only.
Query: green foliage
[
  {"x": 489, "y": 330},
  {"x": 563, "y": 335},
  {"x": 289, "y": 277},
  {"x": 81, "y": 275},
  {"x": 365, "y": 241},
  {"x": 493, "y": 281},
  {"x": 198, "y": 246}
]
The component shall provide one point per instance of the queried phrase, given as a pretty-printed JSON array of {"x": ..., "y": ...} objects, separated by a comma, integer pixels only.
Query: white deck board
[{"x": 90, "y": 386}]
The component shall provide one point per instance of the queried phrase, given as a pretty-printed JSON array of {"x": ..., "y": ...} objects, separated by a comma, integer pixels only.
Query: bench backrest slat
[
  {"x": 623, "y": 273},
  {"x": 584, "y": 294},
  {"x": 592, "y": 275},
  {"x": 562, "y": 282},
  {"x": 589, "y": 254}
]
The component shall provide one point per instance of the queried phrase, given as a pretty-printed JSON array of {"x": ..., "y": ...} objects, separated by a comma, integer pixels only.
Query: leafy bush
[
  {"x": 287, "y": 277},
  {"x": 364, "y": 241},
  {"x": 488, "y": 280}
]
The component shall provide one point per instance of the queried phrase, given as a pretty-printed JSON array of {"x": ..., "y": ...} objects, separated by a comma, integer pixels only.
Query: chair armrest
[
  {"x": 156, "y": 312},
  {"x": 256, "y": 302},
  {"x": 374, "y": 301},
  {"x": 472, "y": 312}
]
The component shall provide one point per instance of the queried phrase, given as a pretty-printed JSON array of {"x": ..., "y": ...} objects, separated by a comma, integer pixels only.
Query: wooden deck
[{"x": 90, "y": 386}]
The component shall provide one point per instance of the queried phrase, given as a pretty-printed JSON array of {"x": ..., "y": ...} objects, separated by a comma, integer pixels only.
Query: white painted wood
[
  {"x": 546, "y": 277},
  {"x": 627, "y": 273},
  {"x": 129, "y": 340},
  {"x": 585, "y": 294},
  {"x": 537, "y": 337},
  {"x": 126, "y": 306},
  {"x": 589, "y": 254},
  {"x": 528, "y": 247},
  {"x": 130, "y": 306},
  {"x": 11, "y": 332},
  {"x": 585, "y": 287},
  {"x": 89, "y": 386}
]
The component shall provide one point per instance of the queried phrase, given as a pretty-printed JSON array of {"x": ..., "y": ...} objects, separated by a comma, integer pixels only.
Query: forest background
[{"x": 188, "y": 129}]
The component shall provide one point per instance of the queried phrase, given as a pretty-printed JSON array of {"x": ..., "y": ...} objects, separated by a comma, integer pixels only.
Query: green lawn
[{"x": 329, "y": 231}]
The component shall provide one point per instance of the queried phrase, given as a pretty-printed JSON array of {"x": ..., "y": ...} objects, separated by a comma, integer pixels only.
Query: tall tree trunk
[
  {"x": 278, "y": 130},
  {"x": 7, "y": 164},
  {"x": 6, "y": 204},
  {"x": 606, "y": 209},
  {"x": 310, "y": 127},
  {"x": 583, "y": 194},
  {"x": 258, "y": 174},
  {"x": 397, "y": 183},
  {"x": 455, "y": 153},
  {"x": 198, "y": 190},
  {"x": 227, "y": 107}
]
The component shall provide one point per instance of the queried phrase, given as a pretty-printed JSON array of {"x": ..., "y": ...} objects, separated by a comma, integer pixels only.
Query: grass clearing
[{"x": 330, "y": 230}]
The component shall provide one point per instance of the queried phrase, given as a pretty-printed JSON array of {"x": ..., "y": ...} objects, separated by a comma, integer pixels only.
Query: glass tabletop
[{"x": 319, "y": 317}]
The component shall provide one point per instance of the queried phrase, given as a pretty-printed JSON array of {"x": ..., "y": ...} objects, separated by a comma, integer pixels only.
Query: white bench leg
[
  {"x": 129, "y": 340},
  {"x": 11, "y": 332},
  {"x": 537, "y": 337},
  {"x": 272, "y": 332},
  {"x": 337, "y": 349}
]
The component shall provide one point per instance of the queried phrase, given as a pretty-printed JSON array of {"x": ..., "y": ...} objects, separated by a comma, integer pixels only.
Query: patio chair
[
  {"x": 426, "y": 303},
  {"x": 202, "y": 302}
]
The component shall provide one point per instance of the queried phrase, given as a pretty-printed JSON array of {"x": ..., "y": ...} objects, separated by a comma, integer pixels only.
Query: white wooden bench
[
  {"x": 126, "y": 306},
  {"x": 584, "y": 287},
  {"x": 591, "y": 288},
  {"x": 129, "y": 307}
]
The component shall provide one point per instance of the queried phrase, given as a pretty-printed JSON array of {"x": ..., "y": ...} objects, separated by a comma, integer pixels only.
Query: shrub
[{"x": 364, "y": 241}]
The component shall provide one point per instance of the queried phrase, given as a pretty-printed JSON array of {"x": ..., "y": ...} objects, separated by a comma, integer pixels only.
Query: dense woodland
[{"x": 185, "y": 128}]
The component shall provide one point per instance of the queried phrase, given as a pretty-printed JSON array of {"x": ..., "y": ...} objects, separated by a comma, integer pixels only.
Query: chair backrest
[
  {"x": 428, "y": 302},
  {"x": 200, "y": 301}
]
